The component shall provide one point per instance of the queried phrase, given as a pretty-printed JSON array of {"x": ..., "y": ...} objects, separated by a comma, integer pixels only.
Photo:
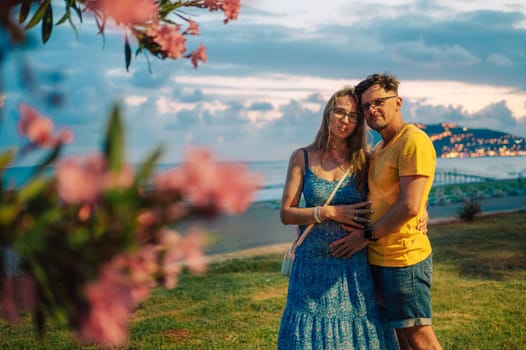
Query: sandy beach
[{"x": 259, "y": 230}]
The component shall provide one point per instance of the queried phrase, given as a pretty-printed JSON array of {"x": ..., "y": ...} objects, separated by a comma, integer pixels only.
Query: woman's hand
[
  {"x": 422, "y": 222},
  {"x": 355, "y": 215}
]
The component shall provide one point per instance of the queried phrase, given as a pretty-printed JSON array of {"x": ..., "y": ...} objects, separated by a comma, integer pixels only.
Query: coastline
[{"x": 259, "y": 231}]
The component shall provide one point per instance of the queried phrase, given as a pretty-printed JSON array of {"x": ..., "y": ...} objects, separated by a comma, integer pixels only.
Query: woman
[{"x": 330, "y": 302}]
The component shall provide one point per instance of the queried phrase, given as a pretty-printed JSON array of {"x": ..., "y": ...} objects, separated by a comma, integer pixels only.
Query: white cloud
[
  {"x": 270, "y": 72},
  {"x": 279, "y": 90},
  {"x": 500, "y": 60},
  {"x": 432, "y": 55},
  {"x": 135, "y": 100},
  {"x": 469, "y": 97},
  {"x": 307, "y": 14},
  {"x": 165, "y": 106}
]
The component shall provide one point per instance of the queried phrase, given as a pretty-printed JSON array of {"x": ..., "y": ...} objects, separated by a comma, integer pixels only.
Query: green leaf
[
  {"x": 7, "y": 157},
  {"x": 79, "y": 237},
  {"x": 73, "y": 3},
  {"x": 127, "y": 53},
  {"x": 47, "y": 24},
  {"x": 50, "y": 158},
  {"x": 39, "y": 14},
  {"x": 31, "y": 190},
  {"x": 148, "y": 166},
  {"x": 64, "y": 18},
  {"x": 74, "y": 28},
  {"x": 67, "y": 16},
  {"x": 8, "y": 214},
  {"x": 24, "y": 10},
  {"x": 114, "y": 142}
]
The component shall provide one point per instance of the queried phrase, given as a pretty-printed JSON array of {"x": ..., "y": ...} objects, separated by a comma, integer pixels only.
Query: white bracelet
[{"x": 316, "y": 214}]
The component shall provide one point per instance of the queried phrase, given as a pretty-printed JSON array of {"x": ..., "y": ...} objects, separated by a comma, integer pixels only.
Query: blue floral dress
[{"x": 331, "y": 301}]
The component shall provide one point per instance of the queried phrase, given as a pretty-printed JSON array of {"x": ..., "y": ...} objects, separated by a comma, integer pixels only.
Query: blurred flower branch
[
  {"x": 97, "y": 236},
  {"x": 158, "y": 26},
  {"x": 94, "y": 236}
]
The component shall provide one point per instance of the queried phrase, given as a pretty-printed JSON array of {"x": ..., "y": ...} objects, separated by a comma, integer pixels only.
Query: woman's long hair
[{"x": 356, "y": 142}]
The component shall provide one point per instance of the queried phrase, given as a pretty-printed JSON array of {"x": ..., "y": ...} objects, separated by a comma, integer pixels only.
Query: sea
[{"x": 275, "y": 171}]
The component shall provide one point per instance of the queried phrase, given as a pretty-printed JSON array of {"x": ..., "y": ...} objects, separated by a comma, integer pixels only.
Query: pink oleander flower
[
  {"x": 80, "y": 182},
  {"x": 236, "y": 188},
  {"x": 170, "y": 180},
  {"x": 212, "y": 5},
  {"x": 231, "y": 9},
  {"x": 122, "y": 284},
  {"x": 8, "y": 307},
  {"x": 180, "y": 251},
  {"x": 17, "y": 293},
  {"x": 181, "y": 178},
  {"x": 193, "y": 28},
  {"x": 65, "y": 136},
  {"x": 199, "y": 55},
  {"x": 142, "y": 268},
  {"x": 176, "y": 211},
  {"x": 170, "y": 40},
  {"x": 84, "y": 212},
  {"x": 193, "y": 250},
  {"x": 138, "y": 12},
  {"x": 111, "y": 304},
  {"x": 206, "y": 183},
  {"x": 171, "y": 265},
  {"x": 149, "y": 218},
  {"x": 153, "y": 29},
  {"x": 122, "y": 179},
  {"x": 39, "y": 129}
]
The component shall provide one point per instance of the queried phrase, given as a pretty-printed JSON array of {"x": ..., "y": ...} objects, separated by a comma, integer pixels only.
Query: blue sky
[{"x": 268, "y": 75}]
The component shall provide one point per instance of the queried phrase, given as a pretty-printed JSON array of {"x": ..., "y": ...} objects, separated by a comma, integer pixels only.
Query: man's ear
[{"x": 399, "y": 103}]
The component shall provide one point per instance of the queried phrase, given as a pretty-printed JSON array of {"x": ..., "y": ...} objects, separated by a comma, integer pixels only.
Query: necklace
[
  {"x": 339, "y": 159},
  {"x": 331, "y": 168},
  {"x": 339, "y": 148}
]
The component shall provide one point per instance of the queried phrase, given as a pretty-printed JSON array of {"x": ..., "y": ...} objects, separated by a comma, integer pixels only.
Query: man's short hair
[{"x": 386, "y": 81}]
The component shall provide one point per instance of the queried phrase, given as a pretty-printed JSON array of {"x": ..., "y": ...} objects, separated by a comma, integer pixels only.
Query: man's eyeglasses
[
  {"x": 377, "y": 102},
  {"x": 340, "y": 113}
]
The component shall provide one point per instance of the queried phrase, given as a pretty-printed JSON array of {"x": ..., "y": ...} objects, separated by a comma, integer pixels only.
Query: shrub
[{"x": 470, "y": 208}]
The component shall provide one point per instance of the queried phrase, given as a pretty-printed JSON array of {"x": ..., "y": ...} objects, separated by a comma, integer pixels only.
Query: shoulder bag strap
[{"x": 311, "y": 226}]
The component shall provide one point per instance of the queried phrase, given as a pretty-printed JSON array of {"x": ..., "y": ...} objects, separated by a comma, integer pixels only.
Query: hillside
[{"x": 454, "y": 141}]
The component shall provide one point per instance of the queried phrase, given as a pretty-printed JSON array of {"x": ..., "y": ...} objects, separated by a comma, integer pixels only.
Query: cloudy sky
[{"x": 269, "y": 73}]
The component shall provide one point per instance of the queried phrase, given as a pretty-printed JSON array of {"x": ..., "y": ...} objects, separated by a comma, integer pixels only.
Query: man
[{"x": 400, "y": 177}]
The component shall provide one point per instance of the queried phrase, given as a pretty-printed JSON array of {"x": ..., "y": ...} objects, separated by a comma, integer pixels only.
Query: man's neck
[{"x": 391, "y": 131}]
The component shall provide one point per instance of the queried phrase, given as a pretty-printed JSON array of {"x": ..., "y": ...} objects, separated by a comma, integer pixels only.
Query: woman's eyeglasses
[
  {"x": 340, "y": 114},
  {"x": 377, "y": 102}
]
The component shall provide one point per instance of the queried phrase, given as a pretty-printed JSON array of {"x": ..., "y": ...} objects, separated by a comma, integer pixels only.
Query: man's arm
[{"x": 406, "y": 207}]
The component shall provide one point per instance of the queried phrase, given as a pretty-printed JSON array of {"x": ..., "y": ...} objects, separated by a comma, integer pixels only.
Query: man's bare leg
[
  {"x": 421, "y": 338},
  {"x": 402, "y": 340}
]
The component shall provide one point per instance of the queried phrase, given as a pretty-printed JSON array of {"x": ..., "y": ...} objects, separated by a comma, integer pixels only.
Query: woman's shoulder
[
  {"x": 300, "y": 153},
  {"x": 297, "y": 158},
  {"x": 301, "y": 157}
]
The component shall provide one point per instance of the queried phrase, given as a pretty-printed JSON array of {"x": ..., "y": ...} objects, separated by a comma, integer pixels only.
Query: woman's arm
[{"x": 290, "y": 213}]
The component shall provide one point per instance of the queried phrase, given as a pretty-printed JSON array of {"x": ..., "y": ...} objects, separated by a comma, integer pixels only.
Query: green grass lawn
[{"x": 479, "y": 298}]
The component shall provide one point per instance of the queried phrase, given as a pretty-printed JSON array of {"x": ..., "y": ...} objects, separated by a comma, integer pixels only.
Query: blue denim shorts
[{"x": 406, "y": 293}]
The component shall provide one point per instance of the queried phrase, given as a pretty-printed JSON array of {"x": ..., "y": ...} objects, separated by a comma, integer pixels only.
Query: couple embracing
[{"x": 362, "y": 277}]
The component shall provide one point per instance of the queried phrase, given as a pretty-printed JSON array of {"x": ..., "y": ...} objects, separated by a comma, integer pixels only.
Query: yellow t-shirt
[{"x": 410, "y": 152}]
